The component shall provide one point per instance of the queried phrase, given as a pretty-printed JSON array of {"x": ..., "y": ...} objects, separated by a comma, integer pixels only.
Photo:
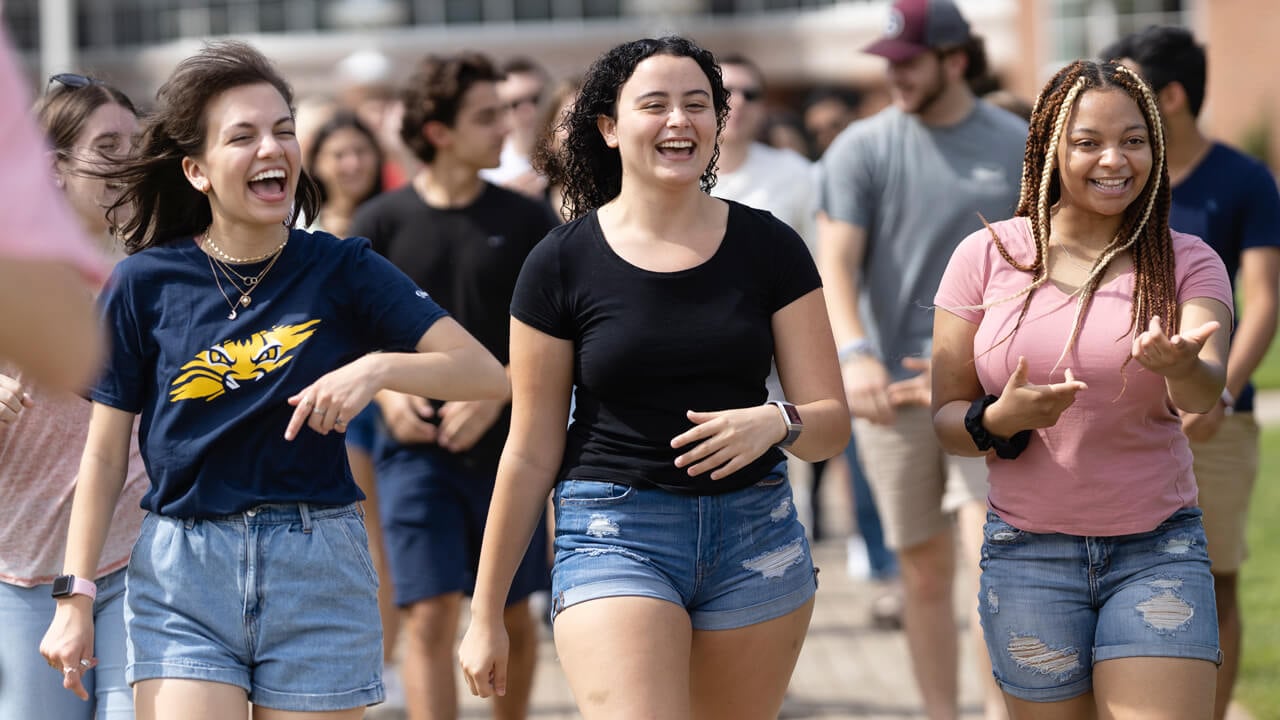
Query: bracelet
[
  {"x": 1228, "y": 402},
  {"x": 855, "y": 348},
  {"x": 984, "y": 440}
]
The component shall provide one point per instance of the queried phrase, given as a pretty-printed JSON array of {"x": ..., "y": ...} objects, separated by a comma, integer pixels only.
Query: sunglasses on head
[
  {"x": 72, "y": 81},
  {"x": 748, "y": 94}
]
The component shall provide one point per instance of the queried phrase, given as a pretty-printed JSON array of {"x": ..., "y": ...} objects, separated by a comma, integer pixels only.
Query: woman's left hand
[
  {"x": 333, "y": 400},
  {"x": 725, "y": 441},
  {"x": 1172, "y": 357}
]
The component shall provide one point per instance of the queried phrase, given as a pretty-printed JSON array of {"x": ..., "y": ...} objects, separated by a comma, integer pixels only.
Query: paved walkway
[{"x": 847, "y": 669}]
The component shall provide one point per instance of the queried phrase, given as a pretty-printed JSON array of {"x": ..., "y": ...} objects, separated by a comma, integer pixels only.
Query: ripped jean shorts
[
  {"x": 1052, "y": 605},
  {"x": 731, "y": 560}
]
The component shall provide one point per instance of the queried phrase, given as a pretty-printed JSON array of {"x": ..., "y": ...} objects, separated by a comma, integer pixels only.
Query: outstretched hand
[
  {"x": 1026, "y": 406},
  {"x": 1172, "y": 357},
  {"x": 726, "y": 441}
]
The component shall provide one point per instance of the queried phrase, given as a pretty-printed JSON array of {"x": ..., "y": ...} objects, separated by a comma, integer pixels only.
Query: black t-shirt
[
  {"x": 468, "y": 258},
  {"x": 648, "y": 346}
]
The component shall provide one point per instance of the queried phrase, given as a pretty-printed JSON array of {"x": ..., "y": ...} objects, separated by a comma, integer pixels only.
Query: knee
[
  {"x": 518, "y": 619},
  {"x": 432, "y": 623}
]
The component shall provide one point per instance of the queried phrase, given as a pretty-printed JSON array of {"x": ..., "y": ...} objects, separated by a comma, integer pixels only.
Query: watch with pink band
[{"x": 68, "y": 585}]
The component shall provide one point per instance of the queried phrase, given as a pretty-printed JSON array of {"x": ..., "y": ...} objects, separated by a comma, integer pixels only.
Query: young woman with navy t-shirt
[
  {"x": 244, "y": 345},
  {"x": 683, "y": 583}
]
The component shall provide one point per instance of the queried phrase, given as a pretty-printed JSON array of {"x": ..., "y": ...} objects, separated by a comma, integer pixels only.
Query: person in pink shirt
[
  {"x": 89, "y": 125},
  {"x": 1066, "y": 339},
  {"x": 47, "y": 265}
]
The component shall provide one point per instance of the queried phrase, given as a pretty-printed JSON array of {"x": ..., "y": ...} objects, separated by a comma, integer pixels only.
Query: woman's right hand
[
  {"x": 13, "y": 399},
  {"x": 1024, "y": 406},
  {"x": 68, "y": 643},
  {"x": 483, "y": 656}
]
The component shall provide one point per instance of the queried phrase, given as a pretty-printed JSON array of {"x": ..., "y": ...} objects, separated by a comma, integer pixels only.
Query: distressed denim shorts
[
  {"x": 280, "y": 600},
  {"x": 731, "y": 560},
  {"x": 1052, "y": 605}
]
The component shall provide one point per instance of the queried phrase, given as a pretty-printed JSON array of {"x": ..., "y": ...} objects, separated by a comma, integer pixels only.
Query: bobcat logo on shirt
[{"x": 233, "y": 363}]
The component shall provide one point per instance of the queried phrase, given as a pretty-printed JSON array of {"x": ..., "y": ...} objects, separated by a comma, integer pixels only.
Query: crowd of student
[{"x": 491, "y": 335}]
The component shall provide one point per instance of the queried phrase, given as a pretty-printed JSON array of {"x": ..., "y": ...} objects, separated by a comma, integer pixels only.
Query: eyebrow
[
  {"x": 249, "y": 125},
  {"x": 1131, "y": 128},
  {"x": 661, "y": 94}
]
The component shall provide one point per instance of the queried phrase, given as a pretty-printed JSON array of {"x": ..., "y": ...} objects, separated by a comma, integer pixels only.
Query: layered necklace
[{"x": 220, "y": 264}]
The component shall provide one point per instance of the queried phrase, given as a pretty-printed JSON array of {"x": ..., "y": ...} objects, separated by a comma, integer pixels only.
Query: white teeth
[
  {"x": 267, "y": 175},
  {"x": 1111, "y": 184},
  {"x": 676, "y": 144}
]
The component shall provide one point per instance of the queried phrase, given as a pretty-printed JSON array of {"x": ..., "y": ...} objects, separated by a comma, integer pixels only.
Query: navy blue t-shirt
[
  {"x": 1231, "y": 202},
  {"x": 649, "y": 346},
  {"x": 212, "y": 391}
]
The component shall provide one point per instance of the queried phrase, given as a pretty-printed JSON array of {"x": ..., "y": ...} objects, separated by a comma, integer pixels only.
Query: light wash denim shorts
[
  {"x": 280, "y": 600},
  {"x": 1052, "y": 605},
  {"x": 731, "y": 560}
]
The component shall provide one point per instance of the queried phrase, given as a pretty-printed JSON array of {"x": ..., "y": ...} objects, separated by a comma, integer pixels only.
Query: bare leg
[
  {"x": 743, "y": 673},
  {"x": 929, "y": 621},
  {"x": 1230, "y": 638},
  {"x": 427, "y": 668},
  {"x": 522, "y": 660},
  {"x": 261, "y": 713},
  {"x": 626, "y": 658},
  {"x": 1154, "y": 687},
  {"x": 969, "y": 521},
  {"x": 189, "y": 699},
  {"x": 362, "y": 470},
  {"x": 1077, "y": 708}
]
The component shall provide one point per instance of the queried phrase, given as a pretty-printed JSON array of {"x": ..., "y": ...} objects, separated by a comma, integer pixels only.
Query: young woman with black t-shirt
[
  {"x": 680, "y": 564},
  {"x": 244, "y": 344}
]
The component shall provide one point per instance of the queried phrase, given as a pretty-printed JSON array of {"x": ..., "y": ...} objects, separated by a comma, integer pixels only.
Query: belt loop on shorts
[
  {"x": 306, "y": 517},
  {"x": 189, "y": 523}
]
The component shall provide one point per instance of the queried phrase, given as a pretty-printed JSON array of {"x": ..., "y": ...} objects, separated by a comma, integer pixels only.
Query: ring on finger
[
  {"x": 69, "y": 669},
  {"x": 339, "y": 421},
  {"x": 84, "y": 663},
  {"x": 318, "y": 411}
]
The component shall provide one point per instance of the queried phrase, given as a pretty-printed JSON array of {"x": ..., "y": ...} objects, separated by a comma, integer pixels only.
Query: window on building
[{"x": 1081, "y": 28}]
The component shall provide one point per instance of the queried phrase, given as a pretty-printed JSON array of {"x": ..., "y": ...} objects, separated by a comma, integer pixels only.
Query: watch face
[
  {"x": 62, "y": 585},
  {"x": 793, "y": 415}
]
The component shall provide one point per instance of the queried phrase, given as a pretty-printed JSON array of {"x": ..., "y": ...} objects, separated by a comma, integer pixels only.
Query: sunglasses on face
[
  {"x": 748, "y": 94},
  {"x": 71, "y": 81}
]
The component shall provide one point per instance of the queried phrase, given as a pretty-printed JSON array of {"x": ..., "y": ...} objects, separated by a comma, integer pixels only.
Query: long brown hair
[
  {"x": 1145, "y": 229},
  {"x": 166, "y": 206}
]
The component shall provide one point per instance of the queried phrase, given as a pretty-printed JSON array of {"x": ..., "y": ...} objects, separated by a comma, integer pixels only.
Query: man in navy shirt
[{"x": 1230, "y": 201}]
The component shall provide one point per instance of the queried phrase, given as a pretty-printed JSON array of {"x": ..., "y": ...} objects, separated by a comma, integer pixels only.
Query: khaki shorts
[
  {"x": 1226, "y": 467},
  {"x": 916, "y": 485}
]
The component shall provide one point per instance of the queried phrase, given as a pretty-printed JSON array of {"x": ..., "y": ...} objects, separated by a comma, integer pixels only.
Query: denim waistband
[{"x": 280, "y": 514}]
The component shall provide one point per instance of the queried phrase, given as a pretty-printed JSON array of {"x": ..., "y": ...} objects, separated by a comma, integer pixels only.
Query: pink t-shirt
[
  {"x": 1116, "y": 462},
  {"x": 39, "y": 458},
  {"x": 38, "y": 224}
]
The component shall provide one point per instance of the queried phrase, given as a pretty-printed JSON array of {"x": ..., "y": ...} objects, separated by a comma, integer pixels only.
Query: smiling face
[
  {"x": 664, "y": 126},
  {"x": 347, "y": 164},
  {"x": 251, "y": 161},
  {"x": 106, "y": 136},
  {"x": 1104, "y": 157}
]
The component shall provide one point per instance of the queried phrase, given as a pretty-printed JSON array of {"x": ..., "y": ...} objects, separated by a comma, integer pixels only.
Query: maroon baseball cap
[{"x": 915, "y": 26}]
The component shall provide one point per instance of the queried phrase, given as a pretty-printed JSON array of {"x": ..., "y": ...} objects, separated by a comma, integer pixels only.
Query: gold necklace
[
  {"x": 208, "y": 239},
  {"x": 251, "y": 283},
  {"x": 1072, "y": 258}
]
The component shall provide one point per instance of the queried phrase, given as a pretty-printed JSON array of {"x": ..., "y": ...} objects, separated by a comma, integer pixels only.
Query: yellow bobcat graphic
[{"x": 228, "y": 365}]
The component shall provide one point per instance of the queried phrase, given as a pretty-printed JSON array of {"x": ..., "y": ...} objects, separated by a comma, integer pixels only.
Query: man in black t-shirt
[{"x": 464, "y": 241}]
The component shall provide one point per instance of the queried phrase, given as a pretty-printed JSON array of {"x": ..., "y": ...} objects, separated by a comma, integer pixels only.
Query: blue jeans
[
  {"x": 731, "y": 560},
  {"x": 280, "y": 600},
  {"x": 29, "y": 688},
  {"x": 884, "y": 564},
  {"x": 1052, "y": 605}
]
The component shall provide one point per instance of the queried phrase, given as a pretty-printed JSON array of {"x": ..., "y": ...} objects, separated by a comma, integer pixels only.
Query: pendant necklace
[{"x": 251, "y": 282}]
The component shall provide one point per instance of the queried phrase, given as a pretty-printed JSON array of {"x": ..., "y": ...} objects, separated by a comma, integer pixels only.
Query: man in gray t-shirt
[{"x": 900, "y": 190}]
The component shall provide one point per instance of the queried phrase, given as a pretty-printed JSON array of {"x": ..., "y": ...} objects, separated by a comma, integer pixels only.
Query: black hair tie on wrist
[{"x": 984, "y": 440}]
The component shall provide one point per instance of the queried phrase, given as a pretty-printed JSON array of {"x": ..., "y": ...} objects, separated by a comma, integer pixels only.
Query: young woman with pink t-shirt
[{"x": 1065, "y": 341}]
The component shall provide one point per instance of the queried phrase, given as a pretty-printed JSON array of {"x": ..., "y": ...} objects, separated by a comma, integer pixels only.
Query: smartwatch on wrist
[
  {"x": 68, "y": 585},
  {"x": 984, "y": 440},
  {"x": 790, "y": 416}
]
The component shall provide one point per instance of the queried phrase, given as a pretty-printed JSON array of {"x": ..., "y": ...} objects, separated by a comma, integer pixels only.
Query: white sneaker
[
  {"x": 857, "y": 562},
  {"x": 393, "y": 686}
]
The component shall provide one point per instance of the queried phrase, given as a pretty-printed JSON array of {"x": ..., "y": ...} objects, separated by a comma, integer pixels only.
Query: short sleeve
[
  {"x": 844, "y": 179},
  {"x": 1200, "y": 271},
  {"x": 962, "y": 290},
  {"x": 38, "y": 225},
  {"x": 1260, "y": 226},
  {"x": 793, "y": 266},
  {"x": 120, "y": 384},
  {"x": 393, "y": 310},
  {"x": 538, "y": 300}
]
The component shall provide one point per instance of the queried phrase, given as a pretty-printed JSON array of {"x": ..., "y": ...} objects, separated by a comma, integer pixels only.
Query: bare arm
[
  {"x": 805, "y": 353},
  {"x": 49, "y": 327},
  {"x": 541, "y": 384},
  {"x": 1193, "y": 362},
  {"x": 955, "y": 382},
  {"x": 1260, "y": 292}
]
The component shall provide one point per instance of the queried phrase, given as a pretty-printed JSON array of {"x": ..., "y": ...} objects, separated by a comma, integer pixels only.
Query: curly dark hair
[
  {"x": 434, "y": 93},
  {"x": 589, "y": 170},
  {"x": 166, "y": 206}
]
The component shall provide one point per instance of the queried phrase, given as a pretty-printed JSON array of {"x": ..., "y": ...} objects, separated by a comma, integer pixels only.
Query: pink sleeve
[
  {"x": 38, "y": 223},
  {"x": 964, "y": 281},
  {"x": 1200, "y": 272}
]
